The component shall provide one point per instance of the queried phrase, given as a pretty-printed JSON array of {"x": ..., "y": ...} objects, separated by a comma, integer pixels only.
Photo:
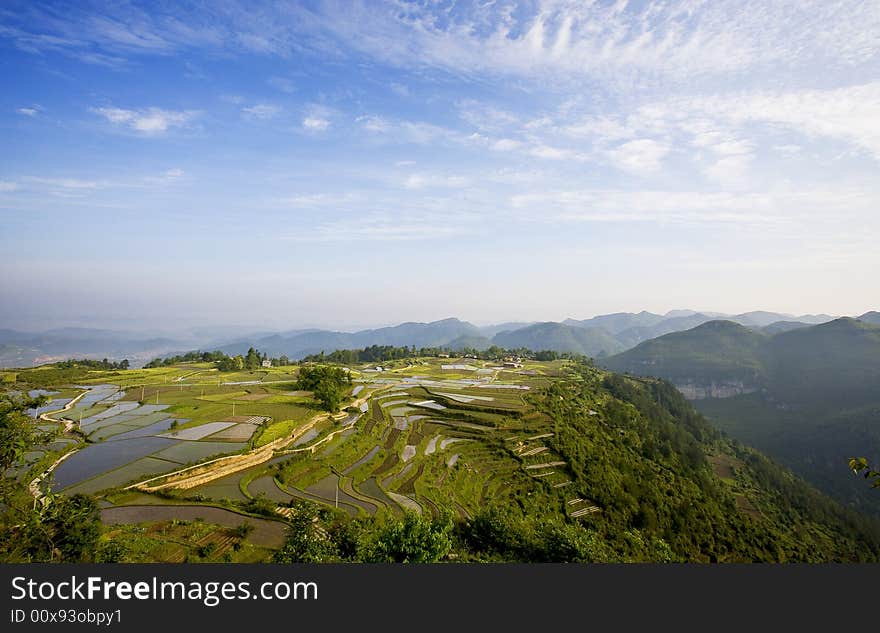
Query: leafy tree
[
  {"x": 326, "y": 382},
  {"x": 329, "y": 395},
  {"x": 57, "y": 528},
  {"x": 414, "y": 540},
  {"x": 859, "y": 466},
  {"x": 306, "y": 541},
  {"x": 252, "y": 360}
]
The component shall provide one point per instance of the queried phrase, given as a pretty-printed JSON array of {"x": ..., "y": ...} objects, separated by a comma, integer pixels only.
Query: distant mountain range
[
  {"x": 807, "y": 395},
  {"x": 600, "y": 336},
  {"x": 23, "y": 349}
]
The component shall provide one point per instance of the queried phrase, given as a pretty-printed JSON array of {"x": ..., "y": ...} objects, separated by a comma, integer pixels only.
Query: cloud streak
[{"x": 148, "y": 121}]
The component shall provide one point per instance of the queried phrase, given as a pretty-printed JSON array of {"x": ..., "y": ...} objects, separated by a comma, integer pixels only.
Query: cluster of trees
[
  {"x": 496, "y": 533},
  {"x": 197, "y": 356},
  {"x": 315, "y": 537},
  {"x": 53, "y": 529},
  {"x": 74, "y": 363},
  {"x": 498, "y": 353},
  {"x": 250, "y": 361},
  {"x": 371, "y": 354},
  {"x": 327, "y": 383},
  {"x": 382, "y": 353}
]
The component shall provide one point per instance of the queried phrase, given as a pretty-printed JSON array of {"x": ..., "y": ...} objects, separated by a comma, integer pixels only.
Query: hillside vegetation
[
  {"x": 808, "y": 396},
  {"x": 556, "y": 461}
]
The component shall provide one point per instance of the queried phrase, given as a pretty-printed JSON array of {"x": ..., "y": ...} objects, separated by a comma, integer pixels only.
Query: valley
[{"x": 551, "y": 454}]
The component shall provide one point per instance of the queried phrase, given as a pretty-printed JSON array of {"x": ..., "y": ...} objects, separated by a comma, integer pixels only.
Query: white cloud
[
  {"x": 261, "y": 111},
  {"x": 641, "y": 156},
  {"x": 786, "y": 209},
  {"x": 788, "y": 149},
  {"x": 149, "y": 121},
  {"x": 422, "y": 181},
  {"x": 317, "y": 118},
  {"x": 168, "y": 177},
  {"x": 486, "y": 117},
  {"x": 70, "y": 183},
  {"x": 604, "y": 127},
  {"x": 619, "y": 41},
  {"x": 550, "y": 153},
  {"x": 506, "y": 145},
  {"x": 376, "y": 124},
  {"x": 31, "y": 111},
  {"x": 378, "y": 229},
  {"x": 317, "y": 200},
  {"x": 6, "y": 185},
  {"x": 850, "y": 114},
  {"x": 315, "y": 124},
  {"x": 731, "y": 171}
]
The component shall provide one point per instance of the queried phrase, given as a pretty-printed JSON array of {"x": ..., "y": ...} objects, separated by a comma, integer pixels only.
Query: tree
[
  {"x": 329, "y": 395},
  {"x": 859, "y": 466},
  {"x": 306, "y": 543},
  {"x": 252, "y": 360},
  {"x": 57, "y": 528},
  {"x": 413, "y": 540}
]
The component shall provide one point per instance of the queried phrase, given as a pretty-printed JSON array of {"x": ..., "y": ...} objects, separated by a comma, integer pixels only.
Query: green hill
[
  {"x": 558, "y": 337},
  {"x": 713, "y": 352},
  {"x": 807, "y": 396},
  {"x": 826, "y": 367}
]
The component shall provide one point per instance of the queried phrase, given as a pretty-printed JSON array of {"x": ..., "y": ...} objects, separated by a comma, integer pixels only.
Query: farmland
[
  {"x": 425, "y": 436},
  {"x": 553, "y": 460}
]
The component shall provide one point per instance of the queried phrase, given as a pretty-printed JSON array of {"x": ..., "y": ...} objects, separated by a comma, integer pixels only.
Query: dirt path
[{"x": 68, "y": 424}]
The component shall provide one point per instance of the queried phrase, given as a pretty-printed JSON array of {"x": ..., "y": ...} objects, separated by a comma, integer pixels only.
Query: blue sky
[{"x": 354, "y": 164}]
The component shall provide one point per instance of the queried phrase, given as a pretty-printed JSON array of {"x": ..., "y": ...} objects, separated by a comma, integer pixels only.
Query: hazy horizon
[
  {"x": 352, "y": 165},
  {"x": 233, "y": 329}
]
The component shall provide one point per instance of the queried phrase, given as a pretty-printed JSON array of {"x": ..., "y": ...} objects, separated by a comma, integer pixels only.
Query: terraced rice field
[
  {"x": 424, "y": 444},
  {"x": 423, "y": 439}
]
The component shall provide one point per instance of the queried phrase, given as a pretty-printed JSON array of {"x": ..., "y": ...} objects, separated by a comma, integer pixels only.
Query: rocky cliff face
[{"x": 692, "y": 390}]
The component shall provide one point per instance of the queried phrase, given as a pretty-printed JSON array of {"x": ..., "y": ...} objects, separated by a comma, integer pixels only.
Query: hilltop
[{"x": 808, "y": 396}]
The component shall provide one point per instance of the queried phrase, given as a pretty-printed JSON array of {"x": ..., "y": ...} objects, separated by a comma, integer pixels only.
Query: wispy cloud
[
  {"x": 604, "y": 39},
  {"x": 642, "y": 156},
  {"x": 429, "y": 180},
  {"x": 757, "y": 209},
  {"x": 261, "y": 111},
  {"x": 69, "y": 183},
  {"x": 166, "y": 178},
  {"x": 377, "y": 229},
  {"x": 149, "y": 121},
  {"x": 374, "y": 123},
  {"x": 7, "y": 185},
  {"x": 317, "y": 118},
  {"x": 314, "y": 123},
  {"x": 850, "y": 114},
  {"x": 318, "y": 200},
  {"x": 30, "y": 111}
]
